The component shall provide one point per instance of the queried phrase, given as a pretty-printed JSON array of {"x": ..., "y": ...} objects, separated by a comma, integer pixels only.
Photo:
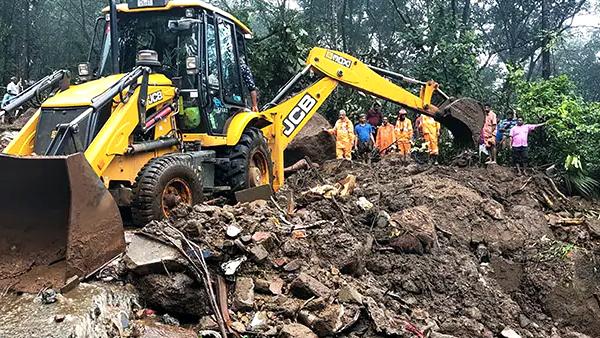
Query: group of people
[
  {"x": 513, "y": 130},
  {"x": 374, "y": 131}
]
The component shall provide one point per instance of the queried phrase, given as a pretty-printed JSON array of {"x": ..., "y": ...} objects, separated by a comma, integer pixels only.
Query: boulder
[{"x": 311, "y": 142}]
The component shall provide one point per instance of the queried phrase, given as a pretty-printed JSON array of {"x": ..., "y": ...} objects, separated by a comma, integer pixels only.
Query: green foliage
[
  {"x": 573, "y": 128},
  {"x": 577, "y": 180}
]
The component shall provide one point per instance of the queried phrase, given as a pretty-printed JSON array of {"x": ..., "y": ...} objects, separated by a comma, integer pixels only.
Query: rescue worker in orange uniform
[
  {"x": 385, "y": 137},
  {"x": 404, "y": 135},
  {"x": 344, "y": 136},
  {"x": 431, "y": 130}
]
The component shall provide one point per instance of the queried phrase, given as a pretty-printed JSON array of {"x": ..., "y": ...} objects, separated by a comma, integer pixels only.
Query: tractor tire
[
  {"x": 250, "y": 162},
  {"x": 164, "y": 183}
]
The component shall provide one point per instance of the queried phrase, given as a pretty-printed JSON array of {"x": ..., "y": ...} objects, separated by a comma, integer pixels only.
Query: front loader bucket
[
  {"x": 464, "y": 117},
  {"x": 57, "y": 222}
]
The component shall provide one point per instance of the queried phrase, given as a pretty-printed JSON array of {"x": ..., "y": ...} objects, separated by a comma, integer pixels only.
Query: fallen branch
[{"x": 555, "y": 188}]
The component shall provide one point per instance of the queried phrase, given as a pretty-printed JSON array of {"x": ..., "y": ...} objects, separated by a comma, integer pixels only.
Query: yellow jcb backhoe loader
[{"x": 159, "y": 118}]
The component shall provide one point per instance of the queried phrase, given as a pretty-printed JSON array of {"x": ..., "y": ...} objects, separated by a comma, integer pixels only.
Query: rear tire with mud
[
  {"x": 164, "y": 183},
  {"x": 250, "y": 162}
]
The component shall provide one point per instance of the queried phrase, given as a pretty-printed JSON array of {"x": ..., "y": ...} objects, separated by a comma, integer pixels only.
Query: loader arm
[{"x": 290, "y": 116}]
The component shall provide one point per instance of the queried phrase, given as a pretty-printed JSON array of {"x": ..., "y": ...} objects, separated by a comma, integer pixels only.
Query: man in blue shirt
[{"x": 364, "y": 138}]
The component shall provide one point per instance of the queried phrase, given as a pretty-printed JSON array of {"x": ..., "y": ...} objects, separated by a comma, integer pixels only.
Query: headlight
[
  {"x": 191, "y": 64},
  {"x": 147, "y": 58},
  {"x": 83, "y": 69}
]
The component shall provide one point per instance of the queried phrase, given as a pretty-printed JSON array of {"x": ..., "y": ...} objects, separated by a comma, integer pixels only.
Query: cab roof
[{"x": 171, "y": 4}]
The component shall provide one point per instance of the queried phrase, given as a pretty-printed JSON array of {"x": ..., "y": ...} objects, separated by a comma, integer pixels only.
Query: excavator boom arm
[{"x": 290, "y": 116}]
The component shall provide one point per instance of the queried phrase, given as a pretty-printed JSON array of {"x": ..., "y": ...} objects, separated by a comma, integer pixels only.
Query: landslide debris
[{"x": 384, "y": 250}]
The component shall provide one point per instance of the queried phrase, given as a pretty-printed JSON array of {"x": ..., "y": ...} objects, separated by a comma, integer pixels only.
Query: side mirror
[{"x": 191, "y": 65}]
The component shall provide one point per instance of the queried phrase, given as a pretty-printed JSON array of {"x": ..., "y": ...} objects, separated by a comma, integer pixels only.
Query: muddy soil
[{"x": 434, "y": 251}]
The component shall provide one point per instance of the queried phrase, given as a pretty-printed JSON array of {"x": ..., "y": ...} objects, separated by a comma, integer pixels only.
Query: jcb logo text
[{"x": 298, "y": 114}]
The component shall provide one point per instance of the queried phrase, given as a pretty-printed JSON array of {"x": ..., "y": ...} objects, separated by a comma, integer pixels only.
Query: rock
[
  {"x": 246, "y": 239},
  {"x": 349, "y": 294},
  {"x": 59, "y": 318},
  {"x": 243, "y": 296},
  {"x": 208, "y": 323},
  {"x": 572, "y": 334},
  {"x": 311, "y": 142},
  {"x": 233, "y": 231},
  {"x": 145, "y": 255},
  {"x": 524, "y": 321},
  {"x": 296, "y": 330},
  {"x": 294, "y": 265},
  {"x": 259, "y": 321},
  {"x": 238, "y": 327},
  {"x": 415, "y": 231},
  {"x": 509, "y": 333},
  {"x": 177, "y": 294},
  {"x": 364, "y": 204},
  {"x": 262, "y": 286},
  {"x": 473, "y": 313},
  {"x": 305, "y": 287},
  {"x": 259, "y": 253},
  {"x": 384, "y": 322},
  {"x": 266, "y": 239},
  {"x": 276, "y": 286},
  {"x": 48, "y": 296},
  {"x": 383, "y": 219},
  {"x": 410, "y": 286},
  {"x": 169, "y": 320}
]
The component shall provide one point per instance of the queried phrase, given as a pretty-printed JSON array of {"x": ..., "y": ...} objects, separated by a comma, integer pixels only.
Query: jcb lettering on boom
[
  {"x": 297, "y": 115},
  {"x": 338, "y": 59}
]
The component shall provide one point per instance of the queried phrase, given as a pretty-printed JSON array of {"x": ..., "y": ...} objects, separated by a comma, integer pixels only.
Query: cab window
[{"x": 232, "y": 90}]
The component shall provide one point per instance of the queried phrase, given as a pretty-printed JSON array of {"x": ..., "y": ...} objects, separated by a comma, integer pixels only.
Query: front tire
[
  {"x": 250, "y": 162},
  {"x": 163, "y": 184}
]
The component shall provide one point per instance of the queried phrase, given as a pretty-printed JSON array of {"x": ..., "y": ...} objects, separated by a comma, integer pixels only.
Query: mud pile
[{"x": 384, "y": 250}]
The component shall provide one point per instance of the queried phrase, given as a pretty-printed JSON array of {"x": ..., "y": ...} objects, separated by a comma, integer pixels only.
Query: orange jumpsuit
[
  {"x": 431, "y": 131},
  {"x": 404, "y": 133},
  {"x": 344, "y": 138},
  {"x": 489, "y": 129},
  {"x": 385, "y": 137}
]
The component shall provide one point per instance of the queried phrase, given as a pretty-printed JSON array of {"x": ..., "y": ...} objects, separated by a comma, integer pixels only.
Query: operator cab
[{"x": 200, "y": 48}]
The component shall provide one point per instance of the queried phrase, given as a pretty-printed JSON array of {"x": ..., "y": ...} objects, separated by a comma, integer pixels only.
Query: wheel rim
[
  {"x": 176, "y": 192},
  {"x": 258, "y": 170}
]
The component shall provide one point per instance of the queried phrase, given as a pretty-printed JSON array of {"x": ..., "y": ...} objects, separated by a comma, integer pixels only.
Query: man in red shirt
[{"x": 375, "y": 116}]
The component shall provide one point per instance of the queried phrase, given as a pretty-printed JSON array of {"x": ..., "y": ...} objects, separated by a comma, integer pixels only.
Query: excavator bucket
[
  {"x": 58, "y": 222},
  {"x": 464, "y": 117}
]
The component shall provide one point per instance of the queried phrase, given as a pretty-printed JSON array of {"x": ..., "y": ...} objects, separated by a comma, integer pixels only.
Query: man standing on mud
[
  {"x": 431, "y": 130},
  {"x": 404, "y": 135},
  {"x": 385, "y": 137},
  {"x": 364, "y": 140},
  {"x": 518, "y": 141},
  {"x": 489, "y": 133},
  {"x": 343, "y": 130}
]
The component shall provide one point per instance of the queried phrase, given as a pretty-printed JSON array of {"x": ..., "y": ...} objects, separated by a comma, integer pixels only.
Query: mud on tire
[
  {"x": 163, "y": 183},
  {"x": 251, "y": 147}
]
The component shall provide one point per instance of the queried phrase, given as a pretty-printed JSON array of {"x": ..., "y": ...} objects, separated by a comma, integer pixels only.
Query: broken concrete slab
[
  {"x": 243, "y": 296},
  {"x": 305, "y": 287},
  {"x": 145, "y": 255},
  {"x": 258, "y": 252}
]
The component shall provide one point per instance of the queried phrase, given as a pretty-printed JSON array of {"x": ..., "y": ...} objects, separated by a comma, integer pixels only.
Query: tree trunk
[{"x": 546, "y": 67}]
